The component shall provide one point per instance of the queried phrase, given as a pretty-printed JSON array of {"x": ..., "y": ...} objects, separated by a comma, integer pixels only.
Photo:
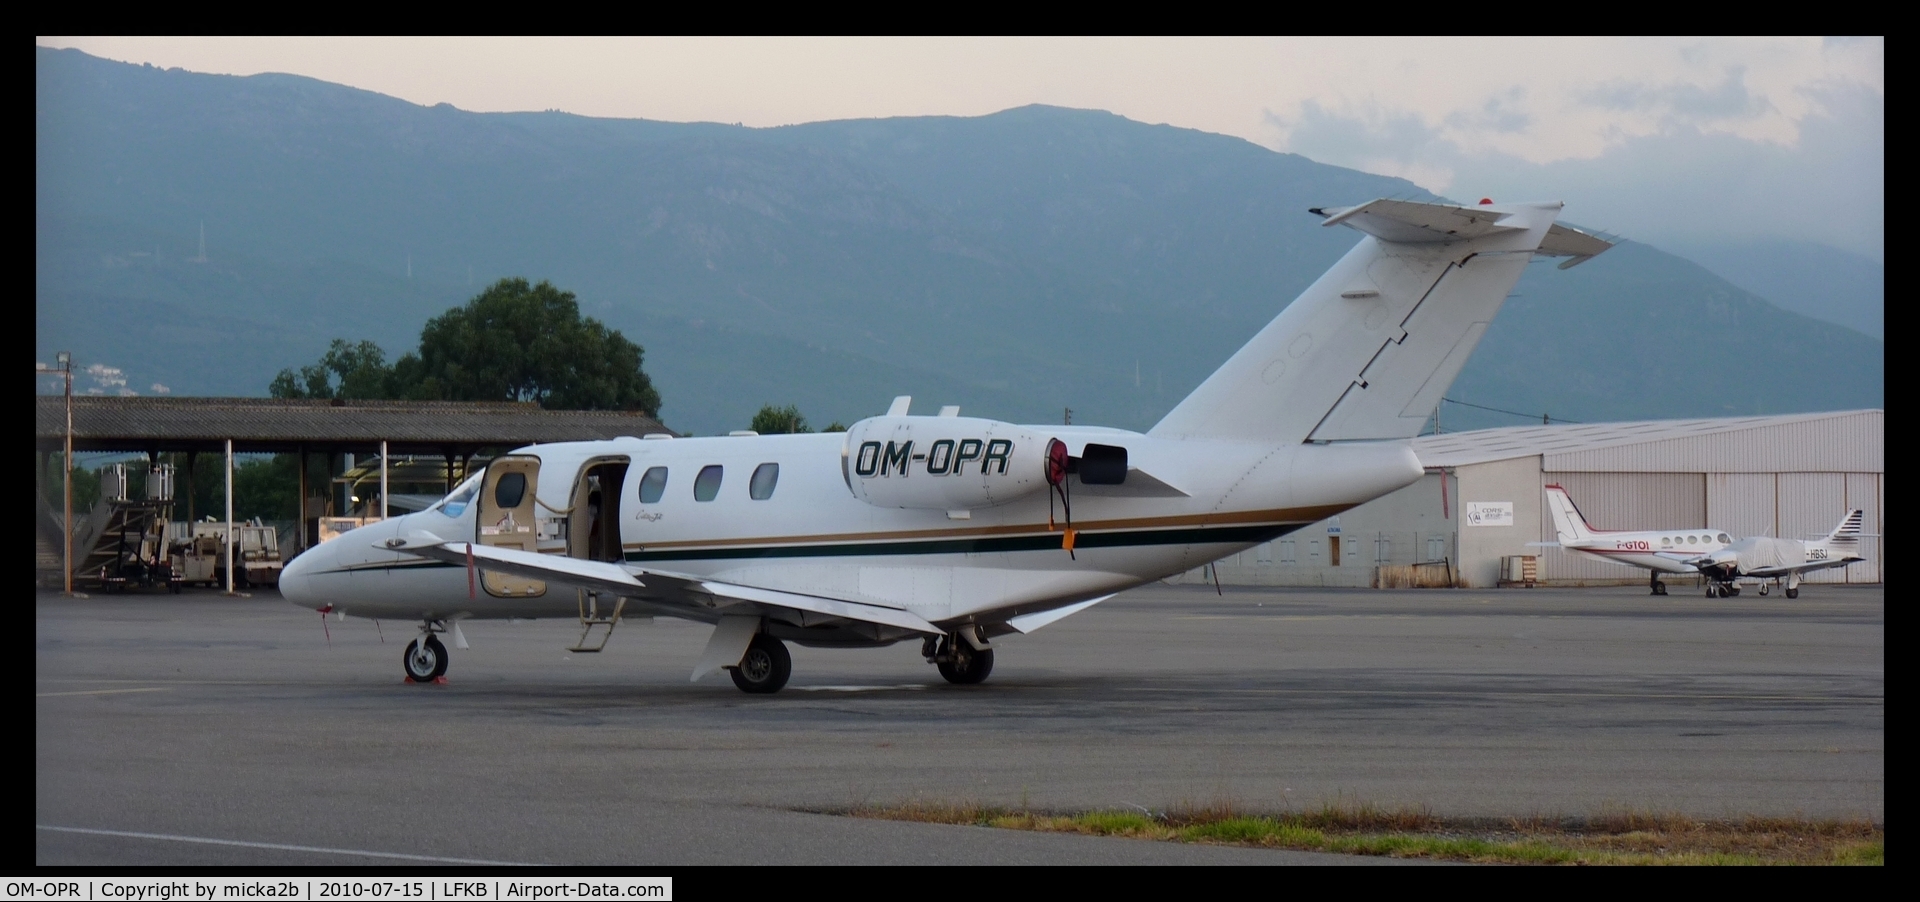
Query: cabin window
[
  {"x": 653, "y": 485},
  {"x": 509, "y": 490},
  {"x": 1723, "y": 538},
  {"x": 1693, "y": 540},
  {"x": 765, "y": 477},
  {"x": 706, "y": 486}
]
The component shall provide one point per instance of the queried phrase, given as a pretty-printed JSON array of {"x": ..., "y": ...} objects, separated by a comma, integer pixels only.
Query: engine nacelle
[{"x": 942, "y": 463}]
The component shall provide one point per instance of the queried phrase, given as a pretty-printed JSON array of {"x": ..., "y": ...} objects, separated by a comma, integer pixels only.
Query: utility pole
[
  {"x": 1069, "y": 416},
  {"x": 65, "y": 360}
]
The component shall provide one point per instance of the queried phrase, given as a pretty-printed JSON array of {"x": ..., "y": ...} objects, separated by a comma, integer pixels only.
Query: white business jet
[
  {"x": 1773, "y": 561},
  {"x": 1657, "y": 550},
  {"x": 957, "y": 531}
]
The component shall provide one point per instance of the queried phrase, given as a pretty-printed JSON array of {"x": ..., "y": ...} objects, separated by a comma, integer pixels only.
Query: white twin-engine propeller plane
[
  {"x": 1670, "y": 551},
  {"x": 953, "y": 530},
  {"x": 1726, "y": 562}
]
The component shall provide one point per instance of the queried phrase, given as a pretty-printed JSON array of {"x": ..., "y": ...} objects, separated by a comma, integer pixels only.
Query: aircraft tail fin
[
  {"x": 1367, "y": 351},
  {"x": 1848, "y": 532},
  {"x": 1568, "y": 522}
]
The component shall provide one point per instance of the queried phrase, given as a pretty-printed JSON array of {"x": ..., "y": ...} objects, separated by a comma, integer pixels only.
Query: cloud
[
  {"x": 108, "y": 379},
  {"x": 1682, "y": 103},
  {"x": 1689, "y": 181}
]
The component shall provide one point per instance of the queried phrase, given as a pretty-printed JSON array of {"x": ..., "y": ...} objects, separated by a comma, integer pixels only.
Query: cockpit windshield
[{"x": 457, "y": 500}]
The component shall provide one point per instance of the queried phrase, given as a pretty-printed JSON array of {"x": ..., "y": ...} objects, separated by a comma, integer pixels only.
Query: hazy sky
[{"x": 1674, "y": 141}]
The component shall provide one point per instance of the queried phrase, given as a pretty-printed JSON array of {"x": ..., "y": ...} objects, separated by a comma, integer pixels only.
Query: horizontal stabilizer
[
  {"x": 1566, "y": 241},
  {"x": 1411, "y": 222}
]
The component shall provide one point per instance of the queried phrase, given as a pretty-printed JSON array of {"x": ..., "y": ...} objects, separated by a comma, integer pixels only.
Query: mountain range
[{"x": 1019, "y": 264}]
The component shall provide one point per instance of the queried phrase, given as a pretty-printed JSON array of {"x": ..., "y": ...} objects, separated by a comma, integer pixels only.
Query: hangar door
[
  {"x": 1799, "y": 506},
  {"x": 1622, "y": 501}
]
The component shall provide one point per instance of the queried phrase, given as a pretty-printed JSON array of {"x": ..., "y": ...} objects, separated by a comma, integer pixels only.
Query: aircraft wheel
[
  {"x": 1659, "y": 588},
  {"x": 764, "y": 668},
  {"x": 425, "y": 661},
  {"x": 1734, "y": 591},
  {"x": 1764, "y": 589},
  {"x": 969, "y": 665},
  {"x": 1721, "y": 591},
  {"x": 1793, "y": 593}
]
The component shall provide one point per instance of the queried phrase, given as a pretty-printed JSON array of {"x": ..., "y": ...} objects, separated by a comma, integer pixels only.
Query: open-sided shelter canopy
[{"x": 450, "y": 428}]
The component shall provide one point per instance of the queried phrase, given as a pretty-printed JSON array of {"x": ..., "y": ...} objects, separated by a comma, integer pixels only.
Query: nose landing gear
[
  {"x": 425, "y": 661},
  {"x": 426, "y": 658}
]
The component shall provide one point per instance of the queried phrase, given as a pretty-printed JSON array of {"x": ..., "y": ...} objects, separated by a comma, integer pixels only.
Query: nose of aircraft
[{"x": 297, "y": 577}]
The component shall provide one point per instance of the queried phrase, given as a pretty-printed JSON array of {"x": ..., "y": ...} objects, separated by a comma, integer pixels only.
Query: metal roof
[
  {"x": 104, "y": 423},
  {"x": 1833, "y": 441}
]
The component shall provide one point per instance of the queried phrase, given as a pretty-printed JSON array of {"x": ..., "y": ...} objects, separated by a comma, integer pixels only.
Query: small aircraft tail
[
  {"x": 1848, "y": 532},
  {"x": 1367, "y": 351},
  {"x": 1567, "y": 519}
]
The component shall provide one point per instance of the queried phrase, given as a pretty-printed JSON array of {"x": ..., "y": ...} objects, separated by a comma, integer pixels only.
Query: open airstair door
[{"x": 507, "y": 520}]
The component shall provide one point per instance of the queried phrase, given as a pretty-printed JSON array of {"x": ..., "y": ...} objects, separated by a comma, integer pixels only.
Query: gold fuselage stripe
[{"x": 1225, "y": 518}]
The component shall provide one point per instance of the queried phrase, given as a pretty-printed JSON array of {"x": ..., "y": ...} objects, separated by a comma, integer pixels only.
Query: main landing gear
[
  {"x": 961, "y": 659},
  {"x": 1722, "y": 590},
  {"x": 764, "y": 668},
  {"x": 1654, "y": 583}
]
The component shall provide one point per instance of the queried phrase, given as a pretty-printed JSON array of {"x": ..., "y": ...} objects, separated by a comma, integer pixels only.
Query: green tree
[
  {"x": 773, "y": 420},
  {"x": 354, "y": 372},
  {"x": 512, "y": 342},
  {"x": 521, "y": 342}
]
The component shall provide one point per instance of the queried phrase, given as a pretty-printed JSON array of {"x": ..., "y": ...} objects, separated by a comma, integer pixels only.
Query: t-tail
[
  {"x": 1367, "y": 351},
  {"x": 1567, "y": 519}
]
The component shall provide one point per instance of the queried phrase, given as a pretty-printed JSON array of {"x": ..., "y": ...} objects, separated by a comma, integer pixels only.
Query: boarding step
[{"x": 591, "y": 617}]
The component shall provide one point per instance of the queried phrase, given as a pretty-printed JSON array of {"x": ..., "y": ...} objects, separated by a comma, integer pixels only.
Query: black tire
[
  {"x": 424, "y": 664},
  {"x": 1721, "y": 591},
  {"x": 1659, "y": 588},
  {"x": 1734, "y": 591},
  {"x": 1793, "y": 593},
  {"x": 764, "y": 668},
  {"x": 968, "y": 665}
]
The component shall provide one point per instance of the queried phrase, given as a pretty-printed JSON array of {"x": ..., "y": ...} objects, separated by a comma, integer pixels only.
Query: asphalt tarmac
[{"x": 204, "y": 730}]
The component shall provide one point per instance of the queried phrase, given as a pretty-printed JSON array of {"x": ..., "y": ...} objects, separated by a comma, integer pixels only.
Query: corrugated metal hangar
[{"x": 1791, "y": 476}]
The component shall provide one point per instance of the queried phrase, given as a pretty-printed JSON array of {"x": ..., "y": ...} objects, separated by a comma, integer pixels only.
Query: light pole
[{"x": 65, "y": 361}]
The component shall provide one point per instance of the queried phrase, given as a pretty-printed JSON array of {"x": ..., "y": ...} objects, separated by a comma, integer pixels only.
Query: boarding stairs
[{"x": 592, "y": 617}]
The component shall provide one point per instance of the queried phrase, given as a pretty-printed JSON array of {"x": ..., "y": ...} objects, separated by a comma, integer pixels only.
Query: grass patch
[{"x": 1633, "y": 838}]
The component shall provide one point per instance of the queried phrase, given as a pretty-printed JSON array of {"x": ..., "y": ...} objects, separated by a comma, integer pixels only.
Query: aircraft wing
[
  {"x": 1807, "y": 567},
  {"x": 654, "y": 586}
]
